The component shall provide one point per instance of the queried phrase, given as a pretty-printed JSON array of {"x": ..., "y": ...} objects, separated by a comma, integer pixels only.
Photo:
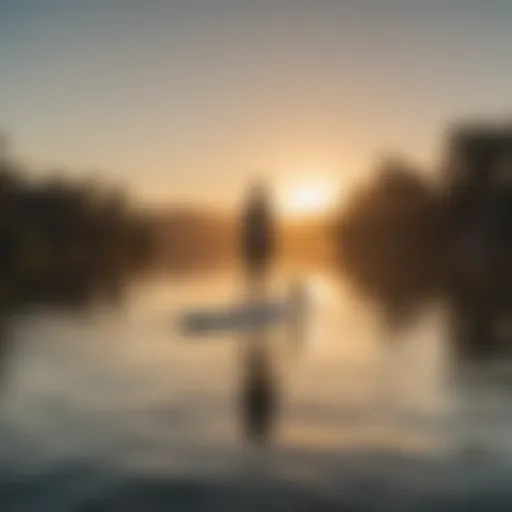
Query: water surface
[{"x": 115, "y": 409}]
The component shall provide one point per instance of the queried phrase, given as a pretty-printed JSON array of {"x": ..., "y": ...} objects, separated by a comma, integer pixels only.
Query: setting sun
[{"x": 309, "y": 197}]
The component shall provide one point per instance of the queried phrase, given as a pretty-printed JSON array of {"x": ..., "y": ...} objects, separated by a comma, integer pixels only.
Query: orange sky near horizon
[{"x": 187, "y": 102}]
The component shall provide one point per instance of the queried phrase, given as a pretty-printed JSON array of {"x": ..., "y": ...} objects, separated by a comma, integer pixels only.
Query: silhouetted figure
[
  {"x": 258, "y": 394},
  {"x": 258, "y": 233}
]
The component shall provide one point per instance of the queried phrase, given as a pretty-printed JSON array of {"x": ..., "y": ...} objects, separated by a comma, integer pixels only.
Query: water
[{"x": 117, "y": 410}]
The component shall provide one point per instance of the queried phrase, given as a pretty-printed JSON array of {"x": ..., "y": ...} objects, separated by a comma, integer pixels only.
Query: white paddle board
[{"x": 243, "y": 317}]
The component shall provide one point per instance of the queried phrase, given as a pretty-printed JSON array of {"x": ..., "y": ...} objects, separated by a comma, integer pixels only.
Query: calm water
[{"x": 116, "y": 410}]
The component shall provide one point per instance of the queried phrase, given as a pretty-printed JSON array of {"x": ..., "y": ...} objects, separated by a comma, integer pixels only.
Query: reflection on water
[
  {"x": 117, "y": 409},
  {"x": 258, "y": 390}
]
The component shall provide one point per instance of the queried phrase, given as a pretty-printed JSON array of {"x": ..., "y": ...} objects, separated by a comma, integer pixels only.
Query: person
[
  {"x": 258, "y": 392},
  {"x": 258, "y": 233}
]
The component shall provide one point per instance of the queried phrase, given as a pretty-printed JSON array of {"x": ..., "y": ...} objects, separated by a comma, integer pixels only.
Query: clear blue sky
[{"x": 187, "y": 99}]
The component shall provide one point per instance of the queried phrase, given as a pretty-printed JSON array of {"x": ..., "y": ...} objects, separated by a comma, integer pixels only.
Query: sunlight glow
[{"x": 308, "y": 198}]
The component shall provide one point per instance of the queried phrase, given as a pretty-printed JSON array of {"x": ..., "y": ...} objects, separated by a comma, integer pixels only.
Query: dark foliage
[
  {"x": 62, "y": 241},
  {"x": 403, "y": 241}
]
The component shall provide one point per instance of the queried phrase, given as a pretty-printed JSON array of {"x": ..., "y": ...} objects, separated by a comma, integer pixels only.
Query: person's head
[{"x": 258, "y": 190}]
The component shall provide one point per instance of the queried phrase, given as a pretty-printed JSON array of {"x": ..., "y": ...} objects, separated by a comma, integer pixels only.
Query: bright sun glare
[{"x": 311, "y": 197}]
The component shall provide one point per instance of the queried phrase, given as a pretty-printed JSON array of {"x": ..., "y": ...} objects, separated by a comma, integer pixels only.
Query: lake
[{"x": 115, "y": 409}]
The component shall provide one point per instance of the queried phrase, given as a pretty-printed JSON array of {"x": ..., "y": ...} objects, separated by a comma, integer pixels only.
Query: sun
[{"x": 309, "y": 197}]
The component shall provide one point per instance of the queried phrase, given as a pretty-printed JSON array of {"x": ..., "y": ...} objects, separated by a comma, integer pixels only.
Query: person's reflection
[{"x": 259, "y": 397}]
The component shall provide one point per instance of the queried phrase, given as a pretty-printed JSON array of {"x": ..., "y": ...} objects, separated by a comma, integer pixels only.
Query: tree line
[{"x": 58, "y": 235}]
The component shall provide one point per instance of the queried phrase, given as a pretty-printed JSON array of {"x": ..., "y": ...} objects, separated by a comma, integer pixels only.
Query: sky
[{"x": 189, "y": 100}]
